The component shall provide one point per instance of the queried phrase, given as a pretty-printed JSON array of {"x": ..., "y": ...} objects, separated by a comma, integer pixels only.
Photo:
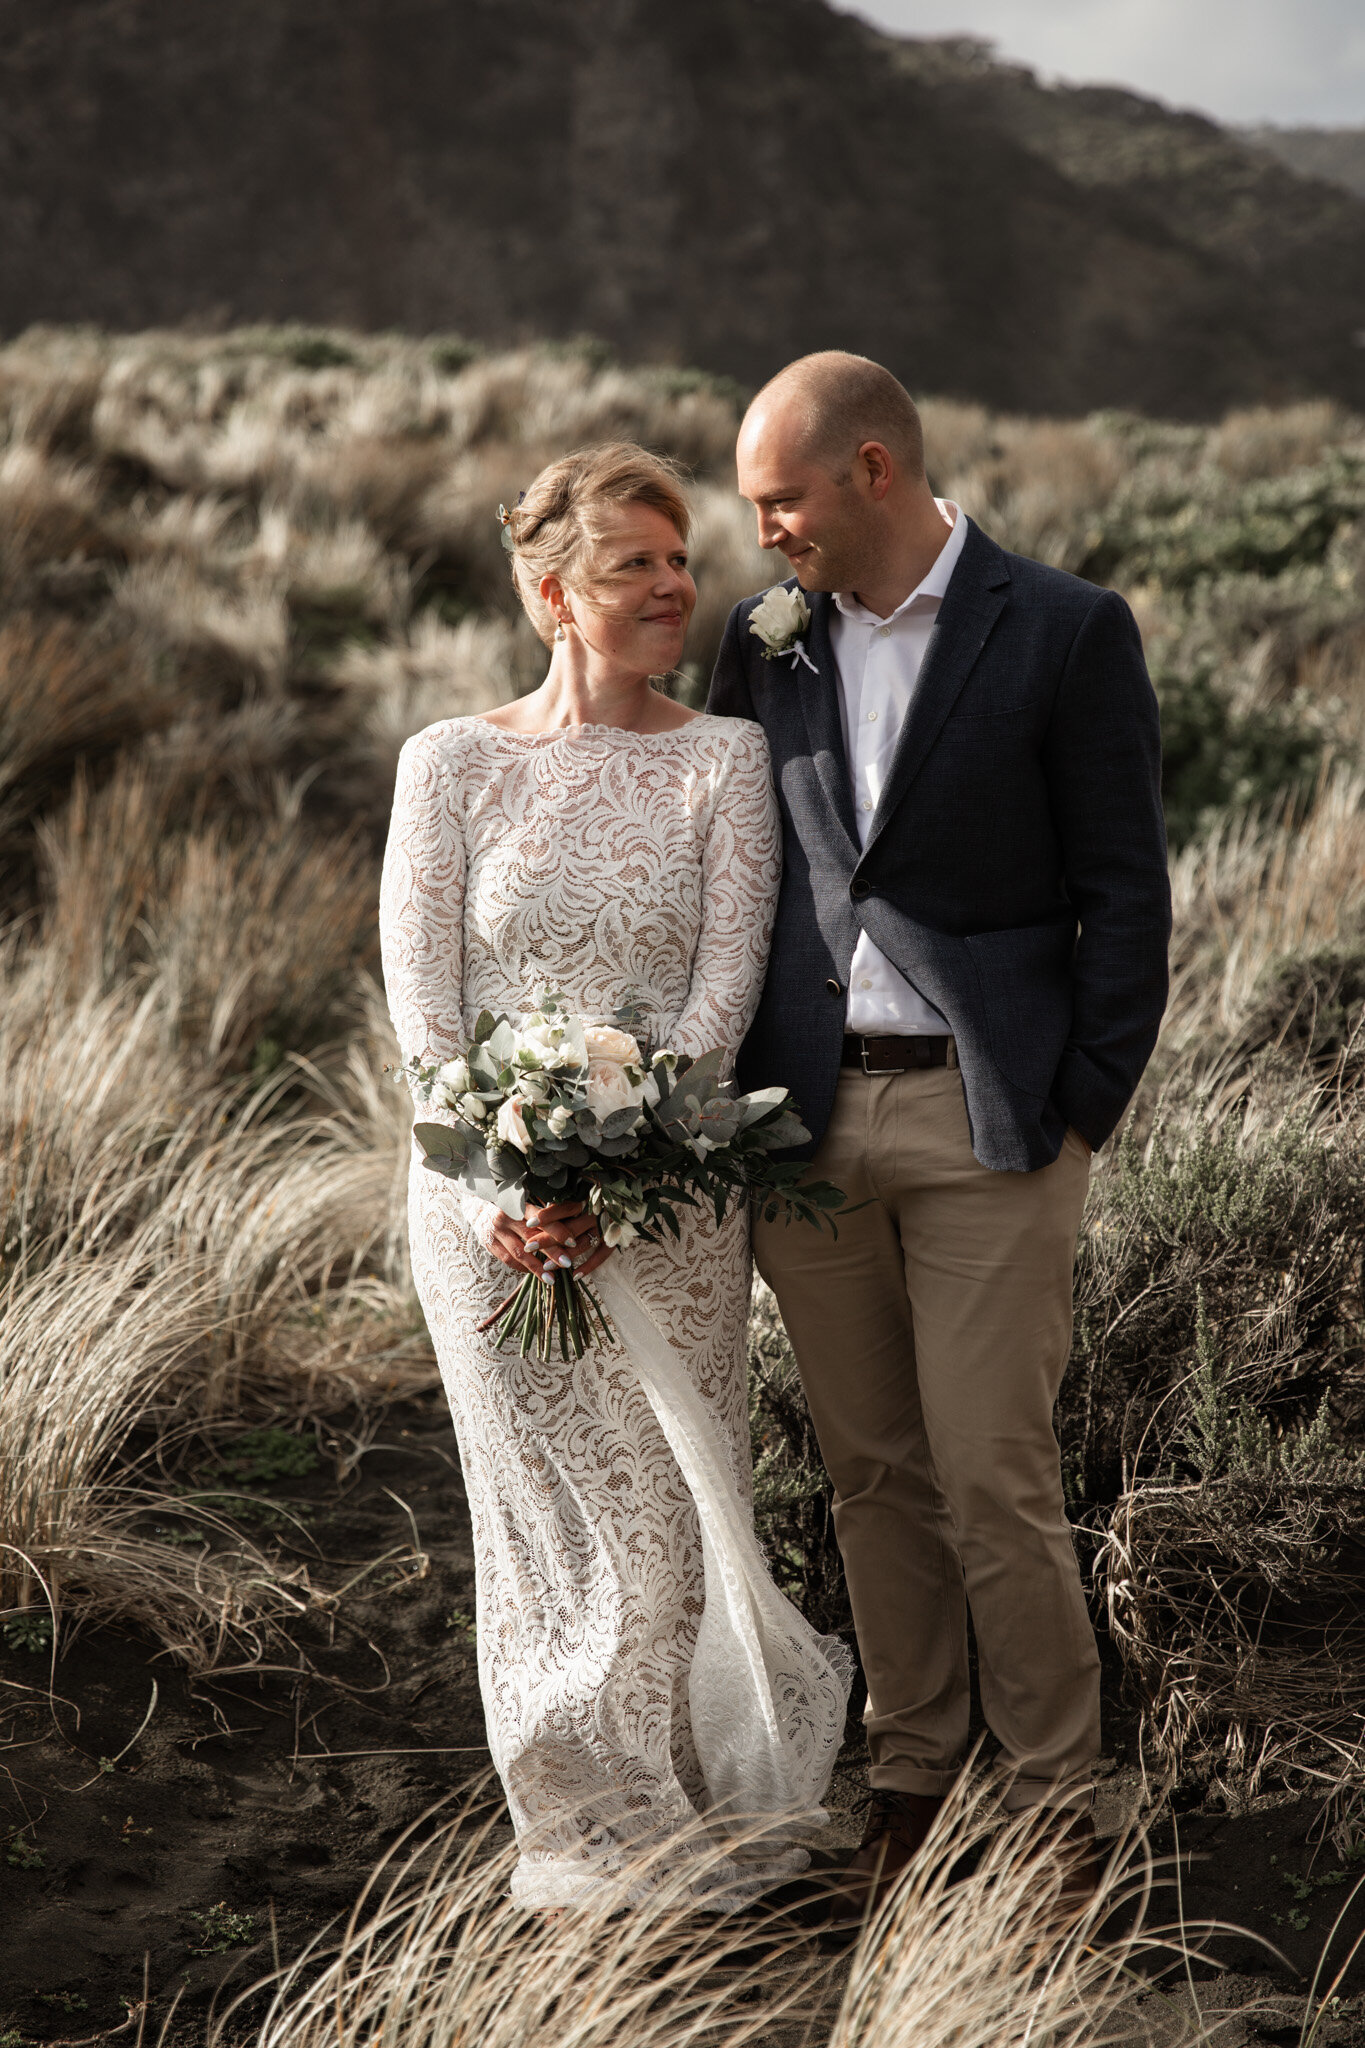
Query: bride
[{"x": 639, "y": 1669}]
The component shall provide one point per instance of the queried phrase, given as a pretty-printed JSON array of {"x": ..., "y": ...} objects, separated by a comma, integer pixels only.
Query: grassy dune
[{"x": 235, "y": 573}]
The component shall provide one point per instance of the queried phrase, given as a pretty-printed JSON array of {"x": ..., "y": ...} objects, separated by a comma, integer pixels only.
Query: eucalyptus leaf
[
  {"x": 758, "y": 1103},
  {"x": 485, "y": 1027},
  {"x": 502, "y": 1042},
  {"x": 620, "y": 1122},
  {"x": 702, "y": 1078},
  {"x": 445, "y": 1142},
  {"x": 785, "y": 1131}
]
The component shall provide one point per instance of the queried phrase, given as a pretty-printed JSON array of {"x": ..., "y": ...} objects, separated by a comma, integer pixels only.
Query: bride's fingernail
[
  {"x": 571, "y": 1242},
  {"x": 563, "y": 1261}
]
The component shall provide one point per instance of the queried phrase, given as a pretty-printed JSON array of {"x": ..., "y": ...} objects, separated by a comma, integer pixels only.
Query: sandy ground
[{"x": 250, "y": 1810}]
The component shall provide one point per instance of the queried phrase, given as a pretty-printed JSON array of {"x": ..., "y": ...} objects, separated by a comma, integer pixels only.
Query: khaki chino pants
[{"x": 931, "y": 1336}]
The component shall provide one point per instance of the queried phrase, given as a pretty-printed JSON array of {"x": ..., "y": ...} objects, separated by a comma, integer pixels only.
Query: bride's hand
[{"x": 561, "y": 1236}]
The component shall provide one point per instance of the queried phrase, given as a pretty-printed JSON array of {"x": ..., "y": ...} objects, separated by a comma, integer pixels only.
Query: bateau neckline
[{"x": 564, "y": 732}]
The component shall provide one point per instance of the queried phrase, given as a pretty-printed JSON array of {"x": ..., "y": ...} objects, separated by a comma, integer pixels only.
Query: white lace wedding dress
[{"x": 638, "y": 1667}]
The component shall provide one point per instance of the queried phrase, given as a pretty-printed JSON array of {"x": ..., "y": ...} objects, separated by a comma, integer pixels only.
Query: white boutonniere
[{"x": 779, "y": 620}]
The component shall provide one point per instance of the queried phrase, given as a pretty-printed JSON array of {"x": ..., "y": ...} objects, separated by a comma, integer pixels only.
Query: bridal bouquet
[{"x": 554, "y": 1108}]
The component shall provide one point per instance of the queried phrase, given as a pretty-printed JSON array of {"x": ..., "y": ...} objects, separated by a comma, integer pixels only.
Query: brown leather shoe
[
  {"x": 897, "y": 1825},
  {"x": 1071, "y": 1838}
]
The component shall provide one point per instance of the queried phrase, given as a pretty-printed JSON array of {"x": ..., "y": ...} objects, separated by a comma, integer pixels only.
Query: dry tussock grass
[
  {"x": 236, "y": 572},
  {"x": 966, "y": 1954},
  {"x": 1257, "y": 891}
]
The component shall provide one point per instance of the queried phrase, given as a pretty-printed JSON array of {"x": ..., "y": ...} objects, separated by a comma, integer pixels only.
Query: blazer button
[
  {"x": 833, "y": 986},
  {"x": 859, "y": 888}
]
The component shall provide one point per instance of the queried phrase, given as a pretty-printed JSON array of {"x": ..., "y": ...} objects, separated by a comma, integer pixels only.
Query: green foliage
[
  {"x": 260, "y": 1457},
  {"x": 267, "y": 1056},
  {"x": 31, "y": 1632},
  {"x": 64, "y": 2001},
  {"x": 21, "y": 1853},
  {"x": 683, "y": 383},
  {"x": 1180, "y": 533},
  {"x": 451, "y": 353},
  {"x": 1312, "y": 1005},
  {"x": 1218, "y": 1300},
  {"x": 1217, "y": 755},
  {"x": 319, "y": 352},
  {"x": 222, "y": 1929}
]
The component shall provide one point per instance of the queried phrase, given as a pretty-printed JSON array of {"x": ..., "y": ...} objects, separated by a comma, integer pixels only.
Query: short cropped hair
[
  {"x": 555, "y": 529},
  {"x": 846, "y": 401}
]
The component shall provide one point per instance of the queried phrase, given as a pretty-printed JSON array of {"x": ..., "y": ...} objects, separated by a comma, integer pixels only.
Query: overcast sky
[{"x": 1296, "y": 62}]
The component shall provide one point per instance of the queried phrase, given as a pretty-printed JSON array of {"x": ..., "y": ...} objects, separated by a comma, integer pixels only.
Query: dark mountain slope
[
  {"x": 728, "y": 182},
  {"x": 1336, "y": 154}
]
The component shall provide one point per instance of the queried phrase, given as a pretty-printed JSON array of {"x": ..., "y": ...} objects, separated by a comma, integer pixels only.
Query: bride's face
[{"x": 633, "y": 604}]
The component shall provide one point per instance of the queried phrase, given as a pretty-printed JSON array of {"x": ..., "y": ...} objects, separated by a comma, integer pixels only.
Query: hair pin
[{"x": 505, "y": 522}]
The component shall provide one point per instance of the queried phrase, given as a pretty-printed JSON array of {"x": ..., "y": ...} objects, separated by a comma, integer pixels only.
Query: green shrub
[{"x": 1217, "y": 756}]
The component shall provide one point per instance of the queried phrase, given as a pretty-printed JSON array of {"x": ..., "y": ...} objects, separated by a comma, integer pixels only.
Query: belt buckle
[{"x": 880, "y": 1070}]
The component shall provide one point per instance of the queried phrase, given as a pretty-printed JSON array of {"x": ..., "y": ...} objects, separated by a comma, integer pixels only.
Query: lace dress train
[{"x": 638, "y": 1667}]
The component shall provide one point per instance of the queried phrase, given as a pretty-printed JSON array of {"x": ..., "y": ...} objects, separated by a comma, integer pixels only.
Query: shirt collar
[{"x": 934, "y": 584}]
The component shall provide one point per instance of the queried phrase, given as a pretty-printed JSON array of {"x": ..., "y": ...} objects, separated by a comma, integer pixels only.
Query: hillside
[
  {"x": 1337, "y": 154},
  {"x": 725, "y": 184}
]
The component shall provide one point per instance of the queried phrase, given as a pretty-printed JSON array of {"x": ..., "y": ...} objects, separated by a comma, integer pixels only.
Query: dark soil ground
[{"x": 250, "y": 1810}]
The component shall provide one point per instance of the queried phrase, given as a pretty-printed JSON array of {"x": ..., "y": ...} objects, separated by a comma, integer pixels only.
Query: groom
[{"x": 967, "y": 974}]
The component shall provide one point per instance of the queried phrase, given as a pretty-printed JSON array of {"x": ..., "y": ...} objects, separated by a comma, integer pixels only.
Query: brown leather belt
[{"x": 898, "y": 1055}]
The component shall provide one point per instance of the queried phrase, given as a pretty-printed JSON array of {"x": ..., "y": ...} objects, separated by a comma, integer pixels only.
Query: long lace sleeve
[
  {"x": 741, "y": 871},
  {"x": 421, "y": 906},
  {"x": 421, "y": 925}
]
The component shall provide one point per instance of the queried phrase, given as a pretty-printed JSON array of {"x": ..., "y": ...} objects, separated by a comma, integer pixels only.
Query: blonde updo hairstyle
[{"x": 556, "y": 529}]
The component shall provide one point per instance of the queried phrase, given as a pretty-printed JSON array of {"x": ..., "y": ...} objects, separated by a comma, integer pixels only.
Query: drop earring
[{"x": 560, "y": 634}]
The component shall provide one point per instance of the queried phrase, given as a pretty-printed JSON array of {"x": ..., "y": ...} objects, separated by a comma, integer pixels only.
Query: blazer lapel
[
  {"x": 824, "y": 719},
  {"x": 971, "y": 605}
]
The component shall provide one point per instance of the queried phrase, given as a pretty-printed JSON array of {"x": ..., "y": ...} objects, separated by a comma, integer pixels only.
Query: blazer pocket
[
  {"x": 984, "y": 725},
  {"x": 1024, "y": 978}
]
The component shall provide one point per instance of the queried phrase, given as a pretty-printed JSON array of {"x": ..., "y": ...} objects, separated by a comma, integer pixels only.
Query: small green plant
[
  {"x": 31, "y": 1632},
  {"x": 463, "y": 1622},
  {"x": 222, "y": 1929},
  {"x": 261, "y": 1456},
  {"x": 65, "y": 2001},
  {"x": 180, "y": 1539},
  {"x": 10, "y": 2037},
  {"x": 22, "y": 1854}
]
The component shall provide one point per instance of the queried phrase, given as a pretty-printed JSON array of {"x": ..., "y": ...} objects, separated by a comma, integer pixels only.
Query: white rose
[
  {"x": 610, "y": 1088},
  {"x": 619, "y": 1233},
  {"x": 559, "y": 1120},
  {"x": 545, "y": 1040},
  {"x": 781, "y": 617},
  {"x": 472, "y": 1107},
  {"x": 454, "y": 1077},
  {"x": 605, "y": 1042},
  {"x": 533, "y": 1088},
  {"x": 512, "y": 1126}
]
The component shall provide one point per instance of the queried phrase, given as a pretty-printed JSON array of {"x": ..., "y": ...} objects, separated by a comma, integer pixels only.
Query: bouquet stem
[{"x": 538, "y": 1313}]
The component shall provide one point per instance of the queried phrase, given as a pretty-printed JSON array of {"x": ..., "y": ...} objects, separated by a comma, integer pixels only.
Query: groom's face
[{"x": 823, "y": 524}]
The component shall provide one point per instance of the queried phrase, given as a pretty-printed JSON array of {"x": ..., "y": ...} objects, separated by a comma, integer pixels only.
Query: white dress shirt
[{"x": 879, "y": 661}]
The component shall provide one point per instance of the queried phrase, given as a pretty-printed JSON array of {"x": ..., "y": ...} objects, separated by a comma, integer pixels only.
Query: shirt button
[
  {"x": 871, "y": 717},
  {"x": 883, "y": 632},
  {"x": 867, "y": 803},
  {"x": 864, "y": 983}
]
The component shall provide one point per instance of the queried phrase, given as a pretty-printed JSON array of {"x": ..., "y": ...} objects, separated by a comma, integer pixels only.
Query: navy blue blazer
[{"x": 1015, "y": 869}]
